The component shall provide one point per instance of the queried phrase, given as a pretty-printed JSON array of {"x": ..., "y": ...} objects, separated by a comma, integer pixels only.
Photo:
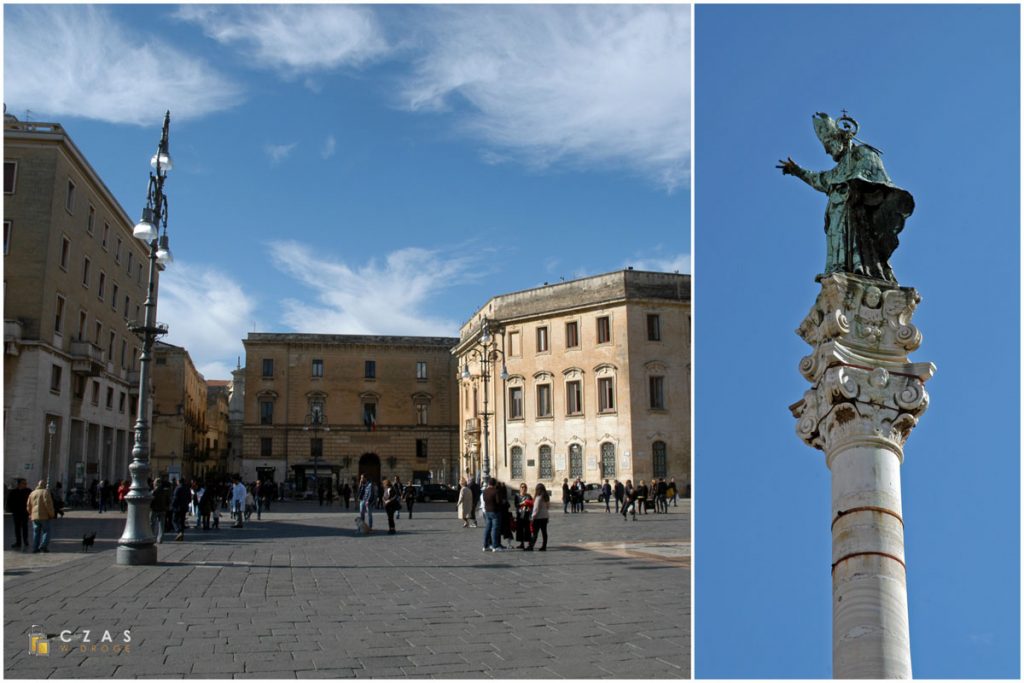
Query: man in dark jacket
[
  {"x": 620, "y": 491},
  {"x": 17, "y": 500},
  {"x": 492, "y": 529},
  {"x": 158, "y": 508},
  {"x": 180, "y": 499}
]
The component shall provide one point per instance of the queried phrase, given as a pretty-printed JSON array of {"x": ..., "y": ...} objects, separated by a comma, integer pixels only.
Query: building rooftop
[{"x": 347, "y": 339}]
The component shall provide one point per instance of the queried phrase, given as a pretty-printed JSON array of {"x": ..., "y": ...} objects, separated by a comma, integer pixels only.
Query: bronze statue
[{"x": 865, "y": 211}]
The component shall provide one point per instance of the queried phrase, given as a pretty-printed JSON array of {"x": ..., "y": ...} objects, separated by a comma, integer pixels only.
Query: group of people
[
  {"x": 524, "y": 518},
  {"x": 641, "y": 497},
  {"x": 175, "y": 501},
  {"x": 36, "y": 506},
  {"x": 389, "y": 497}
]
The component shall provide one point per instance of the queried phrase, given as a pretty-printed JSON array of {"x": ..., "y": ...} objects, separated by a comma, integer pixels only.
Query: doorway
[{"x": 369, "y": 466}]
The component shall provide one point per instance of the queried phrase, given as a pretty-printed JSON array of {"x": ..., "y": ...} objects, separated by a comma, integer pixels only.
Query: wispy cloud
[
  {"x": 388, "y": 297},
  {"x": 327, "y": 151},
  {"x": 208, "y": 313},
  {"x": 279, "y": 153},
  {"x": 667, "y": 263},
  {"x": 64, "y": 60},
  {"x": 293, "y": 39},
  {"x": 587, "y": 86}
]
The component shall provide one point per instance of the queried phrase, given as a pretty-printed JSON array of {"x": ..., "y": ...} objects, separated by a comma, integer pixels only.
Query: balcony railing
[
  {"x": 86, "y": 358},
  {"x": 472, "y": 426}
]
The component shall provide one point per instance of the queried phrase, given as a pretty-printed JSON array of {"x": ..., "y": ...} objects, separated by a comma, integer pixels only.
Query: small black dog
[{"x": 87, "y": 541}]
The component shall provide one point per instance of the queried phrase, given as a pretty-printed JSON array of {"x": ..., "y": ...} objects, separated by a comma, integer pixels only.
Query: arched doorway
[{"x": 369, "y": 466}]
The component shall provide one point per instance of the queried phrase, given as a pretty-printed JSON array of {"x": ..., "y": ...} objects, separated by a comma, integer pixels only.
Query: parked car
[
  {"x": 426, "y": 493},
  {"x": 592, "y": 492}
]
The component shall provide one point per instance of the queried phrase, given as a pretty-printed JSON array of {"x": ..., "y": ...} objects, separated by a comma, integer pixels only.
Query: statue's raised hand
[{"x": 789, "y": 167}]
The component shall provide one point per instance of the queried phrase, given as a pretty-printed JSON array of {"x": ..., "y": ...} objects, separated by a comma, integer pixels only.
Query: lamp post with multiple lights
[
  {"x": 315, "y": 422},
  {"x": 486, "y": 352},
  {"x": 137, "y": 545}
]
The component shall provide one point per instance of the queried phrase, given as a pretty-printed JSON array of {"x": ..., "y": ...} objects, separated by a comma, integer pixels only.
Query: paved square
[{"x": 299, "y": 595}]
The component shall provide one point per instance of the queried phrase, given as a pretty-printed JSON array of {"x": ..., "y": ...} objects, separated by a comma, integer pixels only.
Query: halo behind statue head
[{"x": 827, "y": 129}]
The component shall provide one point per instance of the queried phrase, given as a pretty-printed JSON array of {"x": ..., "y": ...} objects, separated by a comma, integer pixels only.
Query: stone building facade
[
  {"x": 218, "y": 393},
  {"x": 597, "y": 386},
  {"x": 323, "y": 407},
  {"x": 74, "y": 278},
  {"x": 178, "y": 444}
]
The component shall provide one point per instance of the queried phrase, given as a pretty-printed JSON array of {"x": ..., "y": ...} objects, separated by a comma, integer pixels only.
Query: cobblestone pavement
[{"x": 300, "y": 595}]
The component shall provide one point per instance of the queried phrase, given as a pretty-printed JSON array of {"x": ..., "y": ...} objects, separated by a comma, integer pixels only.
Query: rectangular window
[
  {"x": 10, "y": 176},
  {"x": 99, "y": 333},
  {"x": 572, "y": 335},
  {"x": 121, "y": 401},
  {"x": 69, "y": 201},
  {"x": 268, "y": 367},
  {"x": 421, "y": 413},
  {"x": 421, "y": 448},
  {"x": 605, "y": 394},
  {"x": 574, "y": 397},
  {"x": 138, "y": 274},
  {"x": 318, "y": 367},
  {"x": 65, "y": 253},
  {"x": 370, "y": 369},
  {"x": 90, "y": 220},
  {"x": 101, "y": 289},
  {"x": 657, "y": 385},
  {"x": 543, "y": 400},
  {"x": 653, "y": 327},
  {"x": 82, "y": 323},
  {"x": 86, "y": 263},
  {"x": 95, "y": 392},
  {"x": 8, "y": 227},
  {"x": 117, "y": 251},
  {"x": 106, "y": 236},
  {"x": 316, "y": 448},
  {"x": 604, "y": 330},
  {"x": 129, "y": 269},
  {"x": 421, "y": 370},
  {"x": 124, "y": 353},
  {"x": 542, "y": 339},
  {"x": 266, "y": 412},
  {"x": 110, "y": 398},
  {"x": 266, "y": 447},
  {"x": 370, "y": 416},
  {"x": 55, "y": 373},
  {"x": 58, "y": 319},
  {"x": 515, "y": 346},
  {"x": 127, "y": 305},
  {"x": 515, "y": 403},
  {"x": 110, "y": 347},
  {"x": 113, "y": 297}
]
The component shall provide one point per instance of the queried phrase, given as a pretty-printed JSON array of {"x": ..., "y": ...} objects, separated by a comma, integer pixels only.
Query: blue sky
[
  {"x": 936, "y": 88},
  {"x": 364, "y": 169}
]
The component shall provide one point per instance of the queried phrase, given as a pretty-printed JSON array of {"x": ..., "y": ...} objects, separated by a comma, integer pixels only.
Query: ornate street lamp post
[
  {"x": 486, "y": 352},
  {"x": 51, "y": 429},
  {"x": 316, "y": 421},
  {"x": 137, "y": 545}
]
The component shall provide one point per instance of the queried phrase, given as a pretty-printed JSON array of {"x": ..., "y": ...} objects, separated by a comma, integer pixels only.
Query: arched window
[
  {"x": 607, "y": 460},
  {"x": 517, "y": 462},
  {"x": 575, "y": 461},
  {"x": 545, "y": 463},
  {"x": 660, "y": 459}
]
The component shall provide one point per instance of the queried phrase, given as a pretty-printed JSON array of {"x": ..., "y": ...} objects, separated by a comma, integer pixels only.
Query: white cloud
[
  {"x": 279, "y": 153},
  {"x": 208, "y": 313},
  {"x": 294, "y": 38},
  {"x": 389, "y": 297},
  {"x": 63, "y": 60},
  {"x": 665, "y": 263},
  {"x": 328, "y": 149},
  {"x": 604, "y": 86}
]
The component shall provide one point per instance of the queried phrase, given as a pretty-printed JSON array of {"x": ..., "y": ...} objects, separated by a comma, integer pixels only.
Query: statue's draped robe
[{"x": 864, "y": 216}]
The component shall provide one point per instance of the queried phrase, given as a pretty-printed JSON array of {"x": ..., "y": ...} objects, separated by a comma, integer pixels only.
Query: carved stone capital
[{"x": 865, "y": 390}]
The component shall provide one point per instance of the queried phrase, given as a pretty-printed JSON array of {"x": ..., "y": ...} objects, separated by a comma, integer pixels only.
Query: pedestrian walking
[
  {"x": 122, "y": 491},
  {"x": 17, "y": 505},
  {"x": 465, "y": 505},
  {"x": 620, "y": 491},
  {"x": 539, "y": 517},
  {"x": 409, "y": 495},
  {"x": 401, "y": 489},
  {"x": 641, "y": 497},
  {"x": 158, "y": 508},
  {"x": 630, "y": 500},
  {"x": 40, "y": 510},
  {"x": 474, "y": 486},
  {"x": 524, "y": 514},
  {"x": 492, "y": 527},
  {"x": 606, "y": 494},
  {"x": 565, "y": 496},
  {"x": 181, "y": 499},
  {"x": 673, "y": 492},
  {"x": 365, "y": 496},
  {"x": 346, "y": 493},
  {"x": 238, "y": 493},
  {"x": 330, "y": 494},
  {"x": 392, "y": 503}
]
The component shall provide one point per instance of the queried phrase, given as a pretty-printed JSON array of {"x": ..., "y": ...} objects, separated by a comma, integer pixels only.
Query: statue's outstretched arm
[{"x": 812, "y": 178}]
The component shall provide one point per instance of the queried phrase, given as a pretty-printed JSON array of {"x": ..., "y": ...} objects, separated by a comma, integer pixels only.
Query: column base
[{"x": 136, "y": 555}]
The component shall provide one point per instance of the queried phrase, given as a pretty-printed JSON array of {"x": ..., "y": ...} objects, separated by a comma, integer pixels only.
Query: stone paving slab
[{"x": 300, "y": 595}]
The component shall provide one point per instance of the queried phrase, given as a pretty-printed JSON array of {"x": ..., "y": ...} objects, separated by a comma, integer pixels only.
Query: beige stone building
[
  {"x": 218, "y": 395},
  {"x": 598, "y": 381},
  {"x": 74, "y": 278},
  {"x": 329, "y": 407},
  {"x": 178, "y": 444}
]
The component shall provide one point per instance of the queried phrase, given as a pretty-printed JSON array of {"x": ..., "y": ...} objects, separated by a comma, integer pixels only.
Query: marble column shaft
[{"x": 865, "y": 398}]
